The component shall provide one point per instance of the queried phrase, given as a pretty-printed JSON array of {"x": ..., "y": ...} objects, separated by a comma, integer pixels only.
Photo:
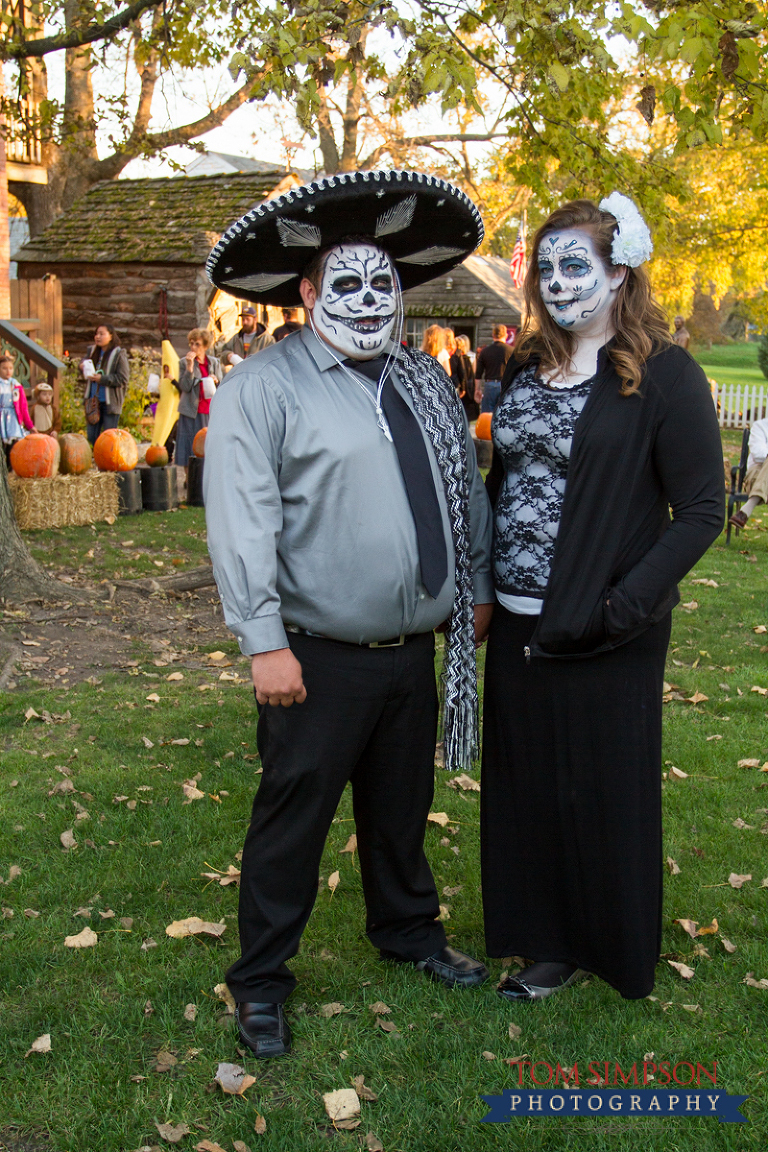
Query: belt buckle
[{"x": 388, "y": 643}]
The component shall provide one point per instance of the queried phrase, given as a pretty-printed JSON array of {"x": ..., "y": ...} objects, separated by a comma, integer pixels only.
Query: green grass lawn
[
  {"x": 731, "y": 363},
  {"x": 109, "y": 764}
]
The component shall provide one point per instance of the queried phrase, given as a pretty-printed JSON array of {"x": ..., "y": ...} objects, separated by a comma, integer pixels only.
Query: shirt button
[{"x": 421, "y": 595}]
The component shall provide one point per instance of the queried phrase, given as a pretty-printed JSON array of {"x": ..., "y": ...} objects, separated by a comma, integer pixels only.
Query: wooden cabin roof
[{"x": 164, "y": 220}]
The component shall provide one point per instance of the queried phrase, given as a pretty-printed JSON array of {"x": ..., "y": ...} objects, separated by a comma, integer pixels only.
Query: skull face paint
[
  {"x": 355, "y": 309},
  {"x": 577, "y": 289}
]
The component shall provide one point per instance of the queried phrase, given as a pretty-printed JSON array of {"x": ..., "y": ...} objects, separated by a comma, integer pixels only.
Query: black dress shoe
[
  {"x": 538, "y": 981},
  {"x": 264, "y": 1029},
  {"x": 449, "y": 967}
]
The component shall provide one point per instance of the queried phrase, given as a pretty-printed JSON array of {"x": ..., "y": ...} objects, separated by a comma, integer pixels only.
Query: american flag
[{"x": 518, "y": 262}]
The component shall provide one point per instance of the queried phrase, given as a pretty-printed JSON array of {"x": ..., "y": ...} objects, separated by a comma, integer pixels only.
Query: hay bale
[{"x": 64, "y": 500}]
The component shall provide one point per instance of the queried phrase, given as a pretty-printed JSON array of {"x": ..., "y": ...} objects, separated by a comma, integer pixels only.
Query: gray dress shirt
[{"x": 308, "y": 518}]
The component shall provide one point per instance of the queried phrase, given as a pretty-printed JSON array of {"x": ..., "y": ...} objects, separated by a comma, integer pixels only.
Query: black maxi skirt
[{"x": 571, "y": 804}]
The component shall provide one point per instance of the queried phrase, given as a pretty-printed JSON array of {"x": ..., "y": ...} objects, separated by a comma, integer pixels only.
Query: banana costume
[{"x": 168, "y": 404}]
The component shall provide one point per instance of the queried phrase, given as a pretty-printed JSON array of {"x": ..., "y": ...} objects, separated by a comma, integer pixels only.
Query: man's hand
[
  {"x": 277, "y": 678},
  {"x": 483, "y": 614},
  {"x": 479, "y": 387}
]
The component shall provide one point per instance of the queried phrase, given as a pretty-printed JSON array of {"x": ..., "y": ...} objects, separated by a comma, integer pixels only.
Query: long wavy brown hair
[{"x": 641, "y": 325}]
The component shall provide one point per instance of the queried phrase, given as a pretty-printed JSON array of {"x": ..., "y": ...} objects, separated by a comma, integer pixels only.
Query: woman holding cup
[{"x": 199, "y": 376}]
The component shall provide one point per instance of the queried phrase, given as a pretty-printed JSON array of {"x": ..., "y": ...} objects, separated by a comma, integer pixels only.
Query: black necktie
[{"x": 417, "y": 474}]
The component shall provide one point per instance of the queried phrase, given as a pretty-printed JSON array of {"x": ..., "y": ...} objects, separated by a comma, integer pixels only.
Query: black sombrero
[{"x": 427, "y": 226}]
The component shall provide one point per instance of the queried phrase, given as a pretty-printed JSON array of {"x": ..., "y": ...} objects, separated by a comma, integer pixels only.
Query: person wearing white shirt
[{"x": 756, "y": 477}]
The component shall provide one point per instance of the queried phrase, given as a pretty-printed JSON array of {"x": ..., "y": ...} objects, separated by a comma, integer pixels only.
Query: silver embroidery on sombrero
[
  {"x": 396, "y": 218},
  {"x": 296, "y": 234},
  {"x": 261, "y": 281},
  {"x": 434, "y": 255}
]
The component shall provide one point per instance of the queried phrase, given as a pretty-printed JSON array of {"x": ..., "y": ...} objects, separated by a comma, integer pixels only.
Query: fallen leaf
[
  {"x": 31, "y": 914},
  {"x": 42, "y": 1044},
  {"x": 148, "y": 1009},
  {"x": 351, "y": 844},
  {"x": 386, "y": 1025},
  {"x": 693, "y": 1008},
  {"x": 712, "y": 930},
  {"x": 706, "y": 583},
  {"x": 147, "y": 944},
  {"x": 445, "y": 912},
  {"x": 240, "y": 1146},
  {"x": 515, "y": 1031},
  {"x": 259, "y": 1125},
  {"x": 760, "y": 691},
  {"x": 165, "y": 1061},
  {"x": 465, "y": 782},
  {"x": 233, "y": 1080},
  {"x": 217, "y": 657},
  {"x": 700, "y": 950},
  {"x": 147, "y": 742},
  {"x": 379, "y": 1008},
  {"x": 489, "y": 1056},
  {"x": 172, "y": 1134},
  {"x": 731, "y": 948},
  {"x": 191, "y": 791},
  {"x": 750, "y": 981},
  {"x": 692, "y": 605},
  {"x": 739, "y": 823},
  {"x": 333, "y": 1009},
  {"x": 362, "y": 1089},
  {"x": 126, "y": 922},
  {"x": 682, "y": 969},
  {"x": 190, "y": 1013},
  {"x": 30, "y": 714},
  {"x": 760, "y": 629},
  {"x": 62, "y": 788},
  {"x": 194, "y": 926},
  {"x": 748, "y": 764},
  {"x": 108, "y": 915},
  {"x": 441, "y": 818},
  {"x": 226, "y": 997},
  {"x": 153, "y": 698},
  {"x": 68, "y": 839},
  {"x": 373, "y": 1144},
  {"x": 736, "y": 881},
  {"x": 343, "y": 1104},
  {"x": 677, "y": 773},
  {"x": 512, "y": 1060},
  {"x": 208, "y": 1146},
  {"x": 697, "y": 698},
  {"x": 333, "y": 881},
  {"x": 673, "y": 866},
  {"x": 85, "y": 939},
  {"x": 175, "y": 676}
]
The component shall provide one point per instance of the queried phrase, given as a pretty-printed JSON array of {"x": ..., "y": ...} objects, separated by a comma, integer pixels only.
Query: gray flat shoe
[{"x": 523, "y": 987}]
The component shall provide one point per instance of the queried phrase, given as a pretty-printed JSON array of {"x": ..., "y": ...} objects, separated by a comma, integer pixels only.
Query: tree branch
[
  {"x": 75, "y": 37},
  {"x": 428, "y": 142}
]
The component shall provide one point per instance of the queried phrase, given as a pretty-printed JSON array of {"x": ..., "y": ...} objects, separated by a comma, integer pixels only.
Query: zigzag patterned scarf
[{"x": 440, "y": 410}]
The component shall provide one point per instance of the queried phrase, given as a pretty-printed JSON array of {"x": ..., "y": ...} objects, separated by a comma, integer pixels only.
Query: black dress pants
[{"x": 370, "y": 717}]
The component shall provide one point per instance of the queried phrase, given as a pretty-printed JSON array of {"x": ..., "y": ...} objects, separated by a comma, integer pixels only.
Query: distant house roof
[
  {"x": 493, "y": 271},
  {"x": 216, "y": 163},
  {"x": 174, "y": 220}
]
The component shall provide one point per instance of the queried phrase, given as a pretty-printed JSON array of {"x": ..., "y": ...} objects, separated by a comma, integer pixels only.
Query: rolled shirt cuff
[
  {"x": 483, "y": 588},
  {"x": 260, "y": 634}
]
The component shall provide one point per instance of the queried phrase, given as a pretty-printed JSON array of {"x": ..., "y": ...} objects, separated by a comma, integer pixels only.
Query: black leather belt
[{"x": 393, "y": 642}]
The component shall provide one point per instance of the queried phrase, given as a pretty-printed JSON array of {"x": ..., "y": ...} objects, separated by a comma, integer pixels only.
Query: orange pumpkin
[
  {"x": 76, "y": 454},
  {"x": 483, "y": 426},
  {"x": 36, "y": 456},
  {"x": 198, "y": 444},
  {"x": 116, "y": 451},
  {"x": 157, "y": 456}
]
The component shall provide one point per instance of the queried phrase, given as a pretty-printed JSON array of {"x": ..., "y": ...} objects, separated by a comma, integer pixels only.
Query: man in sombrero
[{"x": 346, "y": 521}]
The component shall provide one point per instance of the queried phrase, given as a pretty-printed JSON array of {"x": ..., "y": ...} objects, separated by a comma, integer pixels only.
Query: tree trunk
[
  {"x": 5, "y": 240},
  {"x": 21, "y": 577}
]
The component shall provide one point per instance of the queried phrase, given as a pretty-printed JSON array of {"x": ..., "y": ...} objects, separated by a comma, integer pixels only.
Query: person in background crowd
[
  {"x": 290, "y": 324},
  {"x": 756, "y": 476},
  {"x": 434, "y": 345},
  {"x": 463, "y": 376},
  {"x": 106, "y": 386},
  {"x": 199, "y": 375},
  {"x": 603, "y": 425},
  {"x": 681, "y": 335},
  {"x": 489, "y": 368},
  {"x": 45, "y": 415},
  {"x": 15, "y": 420},
  {"x": 251, "y": 338}
]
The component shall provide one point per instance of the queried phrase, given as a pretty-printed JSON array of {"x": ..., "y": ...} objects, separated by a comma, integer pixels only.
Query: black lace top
[{"x": 532, "y": 432}]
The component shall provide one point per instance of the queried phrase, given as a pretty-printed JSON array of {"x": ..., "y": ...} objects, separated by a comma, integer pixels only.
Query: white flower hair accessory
[{"x": 632, "y": 244}]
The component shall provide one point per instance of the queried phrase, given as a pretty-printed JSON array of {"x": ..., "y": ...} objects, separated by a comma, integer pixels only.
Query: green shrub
[
  {"x": 762, "y": 354},
  {"x": 141, "y": 362}
]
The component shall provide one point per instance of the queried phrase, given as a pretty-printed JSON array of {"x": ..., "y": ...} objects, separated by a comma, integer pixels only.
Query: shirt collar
[{"x": 324, "y": 356}]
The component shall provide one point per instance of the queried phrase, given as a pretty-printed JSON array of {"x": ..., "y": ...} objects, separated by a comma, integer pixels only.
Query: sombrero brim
[{"x": 427, "y": 226}]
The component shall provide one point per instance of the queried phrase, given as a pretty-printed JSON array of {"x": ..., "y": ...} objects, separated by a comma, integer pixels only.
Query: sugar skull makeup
[
  {"x": 576, "y": 287},
  {"x": 355, "y": 310}
]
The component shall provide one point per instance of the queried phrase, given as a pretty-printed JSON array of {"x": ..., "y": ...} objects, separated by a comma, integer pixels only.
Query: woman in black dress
[{"x": 602, "y": 426}]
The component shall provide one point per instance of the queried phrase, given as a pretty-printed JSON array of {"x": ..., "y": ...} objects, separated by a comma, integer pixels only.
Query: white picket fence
[{"x": 739, "y": 404}]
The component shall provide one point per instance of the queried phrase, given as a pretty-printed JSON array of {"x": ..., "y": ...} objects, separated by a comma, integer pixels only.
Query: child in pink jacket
[{"x": 15, "y": 420}]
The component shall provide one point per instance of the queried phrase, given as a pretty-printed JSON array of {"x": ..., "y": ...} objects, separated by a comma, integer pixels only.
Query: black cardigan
[{"x": 617, "y": 556}]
